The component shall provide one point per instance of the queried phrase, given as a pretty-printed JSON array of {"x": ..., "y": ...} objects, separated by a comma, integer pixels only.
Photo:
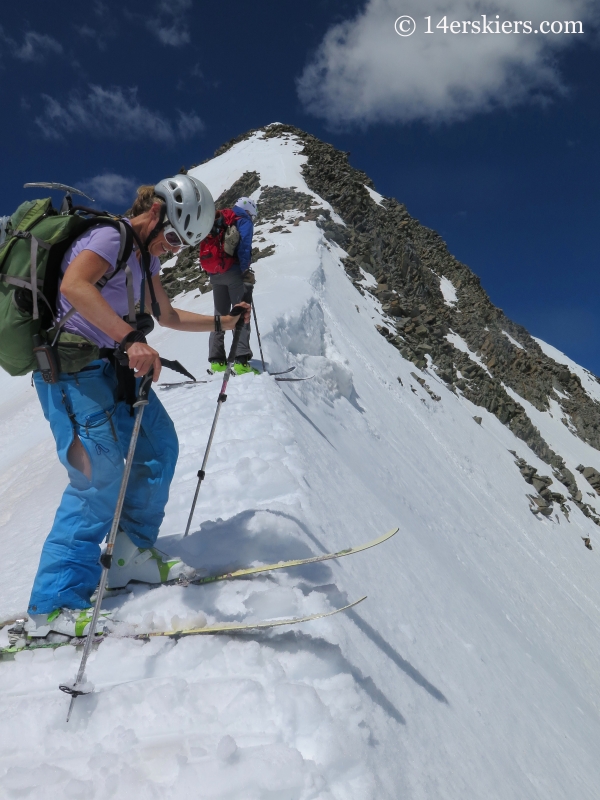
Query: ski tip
[
  {"x": 294, "y": 380},
  {"x": 355, "y": 603},
  {"x": 388, "y": 535}
]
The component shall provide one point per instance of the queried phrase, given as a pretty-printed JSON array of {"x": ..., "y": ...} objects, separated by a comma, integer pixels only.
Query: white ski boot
[
  {"x": 66, "y": 621},
  {"x": 131, "y": 563}
]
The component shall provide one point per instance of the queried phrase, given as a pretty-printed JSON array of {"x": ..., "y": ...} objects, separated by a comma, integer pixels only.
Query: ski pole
[
  {"x": 220, "y": 400},
  {"x": 262, "y": 358},
  {"x": 75, "y": 690}
]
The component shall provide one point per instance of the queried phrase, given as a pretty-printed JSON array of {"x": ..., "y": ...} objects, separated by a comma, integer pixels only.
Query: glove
[{"x": 249, "y": 277}]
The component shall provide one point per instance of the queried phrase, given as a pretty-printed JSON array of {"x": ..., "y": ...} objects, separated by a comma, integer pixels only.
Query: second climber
[{"x": 226, "y": 255}]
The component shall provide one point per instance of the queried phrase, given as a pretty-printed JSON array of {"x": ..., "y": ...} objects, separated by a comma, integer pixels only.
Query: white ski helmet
[
  {"x": 248, "y": 205},
  {"x": 190, "y": 207}
]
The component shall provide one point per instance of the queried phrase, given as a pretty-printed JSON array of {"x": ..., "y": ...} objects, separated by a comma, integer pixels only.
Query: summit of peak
[{"x": 300, "y": 179}]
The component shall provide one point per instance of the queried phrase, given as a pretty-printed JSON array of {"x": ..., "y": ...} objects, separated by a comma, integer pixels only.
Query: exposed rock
[
  {"x": 185, "y": 275},
  {"x": 592, "y": 476},
  {"x": 275, "y": 201},
  {"x": 478, "y": 420},
  {"x": 264, "y": 253},
  {"x": 545, "y": 498},
  {"x": 244, "y": 186}
]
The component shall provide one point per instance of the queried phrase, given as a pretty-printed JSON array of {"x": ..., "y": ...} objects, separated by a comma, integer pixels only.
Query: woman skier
[{"x": 92, "y": 423}]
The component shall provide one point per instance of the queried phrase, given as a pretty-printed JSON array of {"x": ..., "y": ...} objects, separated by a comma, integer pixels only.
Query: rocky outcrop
[
  {"x": 185, "y": 275},
  {"x": 244, "y": 186},
  {"x": 541, "y": 502},
  {"x": 592, "y": 476}
]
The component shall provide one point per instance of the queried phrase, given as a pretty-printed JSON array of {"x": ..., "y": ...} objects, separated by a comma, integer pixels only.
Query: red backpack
[{"x": 217, "y": 251}]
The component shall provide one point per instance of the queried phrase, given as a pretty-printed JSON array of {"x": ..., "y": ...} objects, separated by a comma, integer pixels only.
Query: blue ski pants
[{"x": 83, "y": 406}]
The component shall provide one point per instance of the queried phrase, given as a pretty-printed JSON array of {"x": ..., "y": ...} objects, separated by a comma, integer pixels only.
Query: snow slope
[{"x": 472, "y": 669}]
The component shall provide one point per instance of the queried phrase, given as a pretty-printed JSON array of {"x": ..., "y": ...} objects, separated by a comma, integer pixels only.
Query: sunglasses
[{"x": 172, "y": 238}]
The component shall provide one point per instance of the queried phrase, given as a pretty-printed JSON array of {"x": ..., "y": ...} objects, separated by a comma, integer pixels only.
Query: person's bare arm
[
  {"x": 78, "y": 287},
  {"x": 187, "y": 320}
]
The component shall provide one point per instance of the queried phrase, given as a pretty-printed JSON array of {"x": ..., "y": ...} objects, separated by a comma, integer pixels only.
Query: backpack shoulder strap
[
  {"x": 125, "y": 250},
  {"x": 147, "y": 278},
  {"x": 125, "y": 247}
]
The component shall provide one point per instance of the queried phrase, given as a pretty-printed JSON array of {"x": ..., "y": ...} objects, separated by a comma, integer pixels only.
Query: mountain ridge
[{"x": 407, "y": 260}]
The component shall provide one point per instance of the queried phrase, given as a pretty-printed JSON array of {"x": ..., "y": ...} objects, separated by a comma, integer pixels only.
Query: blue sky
[{"x": 491, "y": 140}]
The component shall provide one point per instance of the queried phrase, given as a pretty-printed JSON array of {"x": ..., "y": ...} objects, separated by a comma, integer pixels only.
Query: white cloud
[
  {"x": 100, "y": 8},
  {"x": 171, "y": 24},
  {"x": 34, "y": 48},
  {"x": 188, "y": 125},
  {"x": 113, "y": 113},
  {"x": 364, "y": 72},
  {"x": 94, "y": 35},
  {"x": 111, "y": 188}
]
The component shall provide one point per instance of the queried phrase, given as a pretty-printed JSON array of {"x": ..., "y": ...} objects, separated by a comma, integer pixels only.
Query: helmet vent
[
  {"x": 177, "y": 196},
  {"x": 172, "y": 185},
  {"x": 187, "y": 222}
]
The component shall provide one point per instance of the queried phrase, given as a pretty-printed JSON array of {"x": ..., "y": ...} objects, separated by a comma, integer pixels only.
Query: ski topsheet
[
  {"x": 283, "y": 372},
  {"x": 221, "y": 627},
  {"x": 164, "y": 386},
  {"x": 235, "y": 627},
  {"x": 243, "y": 572},
  {"x": 239, "y": 573}
]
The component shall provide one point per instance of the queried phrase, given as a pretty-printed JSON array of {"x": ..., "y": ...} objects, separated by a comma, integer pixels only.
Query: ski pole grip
[
  {"x": 144, "y": 389},
  {"x": 235, "y": 311},
  {"x": 247, "y": 298}
]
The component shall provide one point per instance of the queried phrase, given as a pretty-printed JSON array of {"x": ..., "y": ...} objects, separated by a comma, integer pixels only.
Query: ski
[
  {"x": 244, "y": 572},
  {"x": 283, "y": 372},
  {"x": 281, "y": 380},
  {"x": 220, "y": 627},
  {"x": 240, "y": 573},
  {"x": 236, "y": 627},
  {"x": 164, "y": 386}
]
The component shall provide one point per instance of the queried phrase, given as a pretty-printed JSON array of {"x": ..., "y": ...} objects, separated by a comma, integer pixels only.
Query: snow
[
  {"x": 588, "y": 380},
  {"x": 460, "y": 344},
  {"x": 277, "y": 161},
  {"x": 375, "y": 196},
  {"x": 448, "y": 291},
  {"x": 471, "y": 670},
  {"x": 513, "y": 341}
]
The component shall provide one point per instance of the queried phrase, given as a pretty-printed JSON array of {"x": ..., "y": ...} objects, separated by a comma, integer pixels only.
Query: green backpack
[{"x": 37, "y": 238}]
